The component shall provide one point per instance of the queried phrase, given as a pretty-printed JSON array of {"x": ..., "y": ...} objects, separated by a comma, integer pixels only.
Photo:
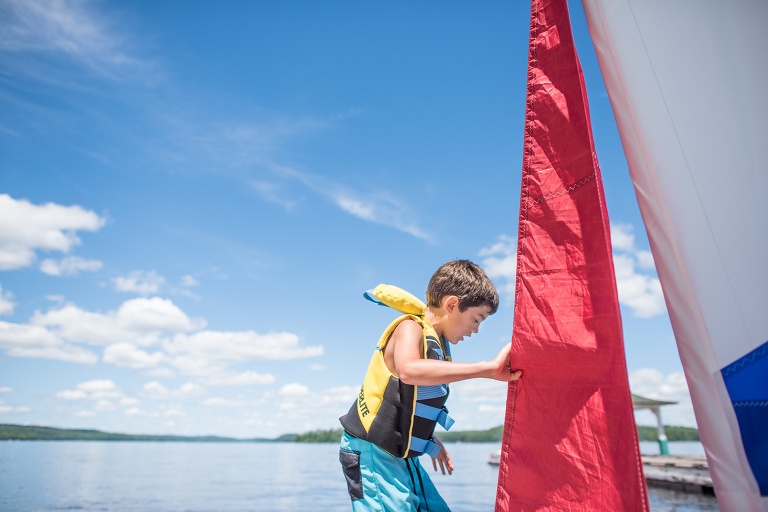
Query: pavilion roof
[{"x": 639, "y": 402}]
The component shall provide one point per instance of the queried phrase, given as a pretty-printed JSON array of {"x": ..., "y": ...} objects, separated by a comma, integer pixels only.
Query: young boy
[{"x": 403, "y": 395}]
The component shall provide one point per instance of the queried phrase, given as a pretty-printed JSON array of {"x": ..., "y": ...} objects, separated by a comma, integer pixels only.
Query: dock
[{"x": 689, "y": 474}]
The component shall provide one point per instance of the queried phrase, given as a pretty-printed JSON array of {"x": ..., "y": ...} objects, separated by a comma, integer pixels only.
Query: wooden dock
[{"x": 690, "y": 474}]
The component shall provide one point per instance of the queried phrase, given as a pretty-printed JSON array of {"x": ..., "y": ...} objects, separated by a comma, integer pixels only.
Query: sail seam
[
  {"x": 567, "y": 190},
  {"x": 750, "y": 358},
  {"x": 512, "y": 390},
  {"x": 763, "y": 403}
]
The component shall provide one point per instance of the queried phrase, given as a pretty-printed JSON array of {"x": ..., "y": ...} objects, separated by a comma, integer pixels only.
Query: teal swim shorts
[{"x": 379, "y": 482}]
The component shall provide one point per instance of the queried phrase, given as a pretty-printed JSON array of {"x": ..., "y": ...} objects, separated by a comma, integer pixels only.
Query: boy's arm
[{"x": 412, "y": 369}]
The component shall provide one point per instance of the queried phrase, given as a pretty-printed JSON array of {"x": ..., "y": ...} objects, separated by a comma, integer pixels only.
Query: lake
[{"x": 268, "y": 477}]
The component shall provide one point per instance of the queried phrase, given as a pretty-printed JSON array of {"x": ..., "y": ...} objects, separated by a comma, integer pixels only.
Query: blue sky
[{"x": 195, "y": 196}]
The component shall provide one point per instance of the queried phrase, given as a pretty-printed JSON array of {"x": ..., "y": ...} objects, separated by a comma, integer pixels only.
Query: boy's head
[{"x": 466, "y": 281}]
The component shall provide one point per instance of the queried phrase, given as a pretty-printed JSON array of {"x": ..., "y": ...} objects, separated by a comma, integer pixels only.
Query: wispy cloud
[
  {"x": 377, "y": 206},
  {"x": 65, "y": 28},
  {"x": 252, "y": 152}
]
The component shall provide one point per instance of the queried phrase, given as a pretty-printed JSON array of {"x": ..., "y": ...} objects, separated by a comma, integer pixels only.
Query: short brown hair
[{"x": 466, "y": 281}]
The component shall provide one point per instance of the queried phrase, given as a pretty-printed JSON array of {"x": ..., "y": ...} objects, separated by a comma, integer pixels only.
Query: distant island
[{"x": 493, "y": 435}]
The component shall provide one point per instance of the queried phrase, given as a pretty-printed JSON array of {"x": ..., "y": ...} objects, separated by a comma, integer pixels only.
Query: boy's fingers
[
  {"x": 434, "y": 464},
  {"x": 515, "y": 375}
]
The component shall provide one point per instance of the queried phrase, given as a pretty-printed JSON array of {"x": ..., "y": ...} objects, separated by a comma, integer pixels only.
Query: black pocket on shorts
[{"x": 350, "y": 463}]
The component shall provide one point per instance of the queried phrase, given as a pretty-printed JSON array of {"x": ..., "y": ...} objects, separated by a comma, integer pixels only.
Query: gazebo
[{"x": 640, "y": 402}]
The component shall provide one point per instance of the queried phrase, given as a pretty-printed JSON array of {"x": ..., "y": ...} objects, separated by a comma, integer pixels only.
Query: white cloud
[
  {"x": 135, "y": 411},
  {"x": 157, "y": 391},
  {"x": 496, "y": 409},
  {"x": 37, "y": 342},
  {"x": 645, "y": 260},
  {"x": 651, "y": 383},
  {"x": 128, "y": 401},
  {"x": 7, "y": 409},
  {"x": 319, "y": 367},
  {"x": 622, "y": 237},
  {"x": 297, "y": 401},
  {"x": 85, "y": 414},
  {"x": 294, "y": 389},
  {"x": 5, "y": 389},
  {"x": 26, "y": 228},
  {"x": 188, "y": 280},
  {"x": 104, "y": 405},
  {"x": 160, "y": 373},
  {"x": 139, "y": 321},
  {"x": 156, "y": 314},
  {"x": 209, "y": 353},
  {"x": 138, "y": 281},
  {"x": 72, "y": 395},
  {"x": 173, "y": 411},
  {"x": 100, "y": 389},
  {"x": 128, "y": 355},
  {"x": 500, "y": 263},
  {"x": 247, "y": 378},
  {"x": 6, "y": 302},
  {"x": 224, "y": 402},
  {"x": 69, "y": 266},
  {"x": 479, "y": 390},
  {"x": 190, "y": 390},
  {"x": 143, "y": 322},
  {"x": 640, "y": 292}
]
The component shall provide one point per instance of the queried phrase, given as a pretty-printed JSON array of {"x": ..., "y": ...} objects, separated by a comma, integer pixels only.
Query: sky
[{"x": 195, "y": 195}]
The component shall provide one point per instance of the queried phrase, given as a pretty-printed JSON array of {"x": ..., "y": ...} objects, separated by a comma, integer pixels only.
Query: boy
[{"x": 405, "y": 389}]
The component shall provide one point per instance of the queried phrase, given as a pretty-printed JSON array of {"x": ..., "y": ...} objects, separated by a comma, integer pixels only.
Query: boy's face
[{"x": 460, "y": 324}]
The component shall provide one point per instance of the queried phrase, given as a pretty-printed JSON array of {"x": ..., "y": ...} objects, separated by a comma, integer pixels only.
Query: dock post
[{"x": 663, "y": 447}]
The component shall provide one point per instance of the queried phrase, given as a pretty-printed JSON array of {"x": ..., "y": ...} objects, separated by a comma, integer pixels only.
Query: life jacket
[{"x": 397, "y": 417}]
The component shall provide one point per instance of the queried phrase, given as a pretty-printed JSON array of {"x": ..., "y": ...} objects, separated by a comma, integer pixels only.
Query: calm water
[{"x": 165, "y": 477}]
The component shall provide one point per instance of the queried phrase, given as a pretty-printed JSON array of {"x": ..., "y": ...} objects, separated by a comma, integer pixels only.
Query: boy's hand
[
  {"x": 443, "y": 458},
  {"x": 500, "y": 369}
]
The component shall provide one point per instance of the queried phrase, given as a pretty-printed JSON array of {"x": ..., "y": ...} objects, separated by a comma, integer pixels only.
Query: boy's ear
[{"x": 451, "y": 303}]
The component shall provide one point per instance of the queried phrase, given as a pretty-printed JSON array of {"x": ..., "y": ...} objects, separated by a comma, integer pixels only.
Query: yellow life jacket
[{"x": 397, "y": 417}]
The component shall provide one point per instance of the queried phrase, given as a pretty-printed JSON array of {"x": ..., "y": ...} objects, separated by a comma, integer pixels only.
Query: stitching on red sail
[{"x": 566, "y": 191}]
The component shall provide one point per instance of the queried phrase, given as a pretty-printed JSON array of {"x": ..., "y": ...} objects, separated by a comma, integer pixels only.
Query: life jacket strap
[
  {"x": 371, "y": 297},
  {"x": 429, "y": 447},
  {"x": 434, "y": 414}
]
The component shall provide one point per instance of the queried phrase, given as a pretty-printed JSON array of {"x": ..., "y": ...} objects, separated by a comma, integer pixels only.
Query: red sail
[{"x": 570, "y": 441}]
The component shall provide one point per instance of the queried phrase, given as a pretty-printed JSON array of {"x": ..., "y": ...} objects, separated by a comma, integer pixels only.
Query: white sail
[{"x": 688, "y": 82}]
